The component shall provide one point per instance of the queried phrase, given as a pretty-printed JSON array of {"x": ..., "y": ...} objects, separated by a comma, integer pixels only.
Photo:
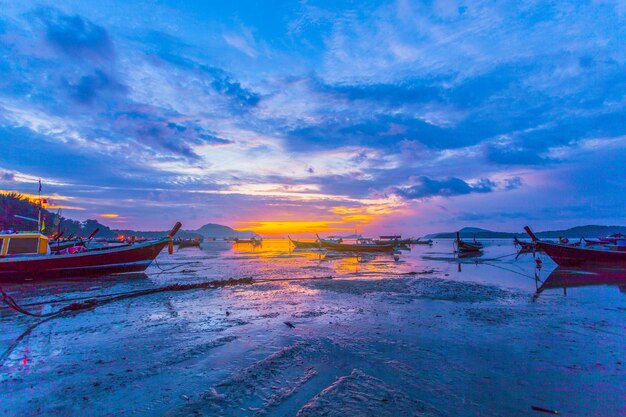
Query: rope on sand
[
  {"x": 95, "y": 301},
  {"x": 90, "y": 302}
]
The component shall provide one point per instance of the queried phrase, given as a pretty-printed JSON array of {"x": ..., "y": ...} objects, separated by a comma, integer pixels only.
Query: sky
[{"x": 333, "y": 116}]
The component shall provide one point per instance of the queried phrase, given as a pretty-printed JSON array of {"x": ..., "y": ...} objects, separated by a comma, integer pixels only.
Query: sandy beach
[{"x": 414, "y": 337}]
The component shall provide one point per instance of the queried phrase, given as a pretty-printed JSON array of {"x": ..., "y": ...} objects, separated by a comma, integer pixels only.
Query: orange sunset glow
[
  {"x": 49, "y": 201},
  {"x": 343, "y": 220},
  {"x": 296, "y": 227}
]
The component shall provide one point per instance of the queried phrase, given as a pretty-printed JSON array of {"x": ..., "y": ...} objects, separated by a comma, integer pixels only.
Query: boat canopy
[
  {"x": 23, "y": 243},
  {"x": 391, "y": 237}
]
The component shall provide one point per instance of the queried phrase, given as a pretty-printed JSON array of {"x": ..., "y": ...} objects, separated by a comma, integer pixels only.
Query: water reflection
[
  {"x": 569, "y": 278},
  {"x": 276, "y": 259}
]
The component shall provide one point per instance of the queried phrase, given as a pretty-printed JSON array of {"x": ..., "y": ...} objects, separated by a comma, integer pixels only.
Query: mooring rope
[
  {"x": 92, "y": 302},
  {"x": 156, "y": 263},
  {"x": 511, "y": 270},
  {"x": 99, "y": 300}
]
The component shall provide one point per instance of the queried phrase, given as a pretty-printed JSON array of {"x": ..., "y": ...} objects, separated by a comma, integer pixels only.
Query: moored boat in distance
[
  {"x": 567, "y": 255},
  {"x": 188, "y": 243},
  {"x": 27, "y": 256},
  {"x": 254, "y": 241},
  {"x": 419, "y": 241},
  {"x": 299, "y": 244},
  {"x": 467, "y": 247},
  {"x": 361, "y": 245},
  {"x": 397, "y": 240},
  {"x": 391, "y": 240}
]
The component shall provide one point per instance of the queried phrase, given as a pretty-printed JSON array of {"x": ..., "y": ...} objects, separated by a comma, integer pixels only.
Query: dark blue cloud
[
  {"x": 505, "y": 154},
  {"x": 513, "y": 183},
  {"x": 76, "y": 36},
  {"x": 168, "y": 49},
  {"x": 424, "y": 187},
  {"x": 157, "y": 131},
  {"x": 89, "y": 87},
  {"x": 406, "y": 92},
  {"x": 378, "y": 131}
]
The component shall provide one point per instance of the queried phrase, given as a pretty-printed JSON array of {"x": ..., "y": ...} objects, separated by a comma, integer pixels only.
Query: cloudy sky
[{"x": 296, "y": 117}]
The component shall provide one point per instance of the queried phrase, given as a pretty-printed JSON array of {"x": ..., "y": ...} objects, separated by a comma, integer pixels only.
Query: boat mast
[{"x": 39, "y": 213}]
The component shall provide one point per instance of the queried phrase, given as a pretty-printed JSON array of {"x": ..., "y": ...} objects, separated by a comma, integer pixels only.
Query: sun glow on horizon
[
  {"x": 48, "y": 200},
  {"x": 295, "y": 227}
]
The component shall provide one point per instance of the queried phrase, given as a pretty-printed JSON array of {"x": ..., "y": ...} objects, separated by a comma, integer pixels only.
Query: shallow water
[{"x": 427, "y": 334}]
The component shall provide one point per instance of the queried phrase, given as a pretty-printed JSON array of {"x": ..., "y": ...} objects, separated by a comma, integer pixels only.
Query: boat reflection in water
[{"x": 571, "y": 277}]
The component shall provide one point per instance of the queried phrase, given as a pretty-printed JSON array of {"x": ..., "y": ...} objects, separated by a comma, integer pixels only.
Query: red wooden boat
[
  {"x": 357, "y": 247},
  {"x": 612, "y": 239},
  {"x": 467, "y": 247},
  {"x": 37, "y": 263},
  {"x": 566, "y": 255},
  {"x": 524, "y": 246}
]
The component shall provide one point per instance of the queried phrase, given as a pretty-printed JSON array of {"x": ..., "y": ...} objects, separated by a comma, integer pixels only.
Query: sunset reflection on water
[{"x": 279, "y": 256}]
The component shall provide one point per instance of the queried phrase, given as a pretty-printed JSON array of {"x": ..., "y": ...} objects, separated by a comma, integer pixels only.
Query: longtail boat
[
  {"x": 566, "y": 255},
  {"x": 465, "y": 247},
  {"x": 254, "y": 241},
  {"x": 419, "y": 241},
  {"x": 362, "y": 245},
  {"x": 391, "y": 240},
  {"x": 566, "y": 241},
  {"x": 612, "y": 239},
  {"x": 27, "y": 256},
  {"x": 592, "y": 242},
  {"x": 397, "y": 240},
  {"x": 188, "y": 243},
  {"x": 525, "y": 247},
  {"x": 305, "y": 245}
]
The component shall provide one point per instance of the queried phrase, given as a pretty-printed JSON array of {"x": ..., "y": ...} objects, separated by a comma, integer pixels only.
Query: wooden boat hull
[
  {"x": 189, "y": 244},
  {"x": 305, "y": 245},
  {"x": 253, "y": 242},
  {"x": 346, "y": 247},
  {"x": 525, "y": 247},
  {"x": 403, "y": 242},
  {"x": 565, "y": 255},
  {"x": 465, "y": 247},
  {"x": 96, "y": 262}
]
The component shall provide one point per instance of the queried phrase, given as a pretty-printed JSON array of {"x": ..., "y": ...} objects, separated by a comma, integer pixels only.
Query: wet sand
[{"x": 375, "y": 340}]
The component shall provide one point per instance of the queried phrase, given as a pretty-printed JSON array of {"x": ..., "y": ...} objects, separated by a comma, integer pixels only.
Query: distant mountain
[
  {"x": 352, "y": 236},
  {"x": 220, "y": 231},
  {"x": 583, "y": 231},
  {"x": 470, "y": 232},
  {"x": 208, "y": 230},
  {"x": 574, "y": 232}
]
